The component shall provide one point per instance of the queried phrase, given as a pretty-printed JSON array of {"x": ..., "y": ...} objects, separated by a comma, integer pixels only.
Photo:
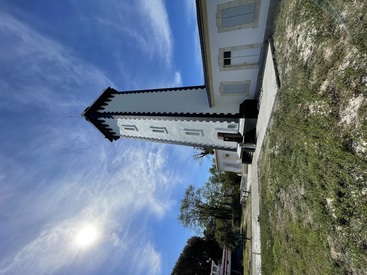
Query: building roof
[
  {"x": 204, "y": 40},
  {"x": 94, "y": 115}
]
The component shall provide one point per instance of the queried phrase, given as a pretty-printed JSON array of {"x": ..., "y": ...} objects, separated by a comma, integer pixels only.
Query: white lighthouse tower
[
  {"x": 221, "y": 114},
  {"x": 174, "y": 115}
]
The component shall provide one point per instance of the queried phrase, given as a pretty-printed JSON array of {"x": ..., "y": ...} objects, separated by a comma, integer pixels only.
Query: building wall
[
  {"x": 245, "y": 42},
  {"x": 185, "y": 132},
  {"x": 170, "y": 101},
  {"x": 228, "y": 161}
]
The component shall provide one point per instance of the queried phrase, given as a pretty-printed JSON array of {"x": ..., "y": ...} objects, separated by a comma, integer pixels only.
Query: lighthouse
[
  {"x": 173, "y": 115},
  {"x": 222, "y": 113}
]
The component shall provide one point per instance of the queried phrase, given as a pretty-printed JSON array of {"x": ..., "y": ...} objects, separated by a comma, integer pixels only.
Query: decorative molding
[
  {"x": 160, "y": 90},
  {"x": 175, "y": 116},
  {"x": 176, "y": 142}
]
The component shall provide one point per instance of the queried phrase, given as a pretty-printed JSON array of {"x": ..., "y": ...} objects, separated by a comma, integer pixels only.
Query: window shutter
[
  {"x": 239, "y": 15},
  {"x": 235, "y": 89}
]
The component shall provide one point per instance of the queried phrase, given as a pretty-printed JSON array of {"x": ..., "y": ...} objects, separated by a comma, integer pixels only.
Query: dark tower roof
[{"x": 94, "y": 114}]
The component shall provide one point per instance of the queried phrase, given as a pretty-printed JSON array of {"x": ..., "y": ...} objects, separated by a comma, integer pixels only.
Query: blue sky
[{"x": 57, "y": 173}]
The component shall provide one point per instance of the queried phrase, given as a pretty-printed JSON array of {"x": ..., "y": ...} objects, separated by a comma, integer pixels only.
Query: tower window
[
  {"x": 194, "y": 132},
  {"x": 162, "y": 130},
  {"x": 129, "y": 127}
]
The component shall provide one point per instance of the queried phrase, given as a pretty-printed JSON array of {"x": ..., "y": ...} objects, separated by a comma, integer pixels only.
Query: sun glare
[{"x": 87, "y": 236}]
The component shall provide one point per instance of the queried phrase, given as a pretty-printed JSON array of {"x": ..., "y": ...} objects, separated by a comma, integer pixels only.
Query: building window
[
  {"x": 240, "y": 57},
  {"x": 231, "y": 165},
  {"x": 129, "y": 127},
  {"x": 232, "y": 126},
  {"x": 162, "y": 130},
  {"x": 194, "y": 132},
  {"x": 237, "y": 88},
  {"x": 238, "y": 14},
  {"x": 227, "y": 58}
]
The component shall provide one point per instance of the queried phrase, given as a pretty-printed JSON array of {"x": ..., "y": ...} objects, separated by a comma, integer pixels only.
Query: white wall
[
  {"x": 228, "y": 161},
  {"x": 230, "y": 39},
  {"x": 176, "y": 101},
  {"x": 175, "y": 130}
]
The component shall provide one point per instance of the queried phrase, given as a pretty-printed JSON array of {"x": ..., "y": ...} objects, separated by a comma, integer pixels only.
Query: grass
[
  {"x": 313, "y": 171},
  {"x": 246, "y": 230}
]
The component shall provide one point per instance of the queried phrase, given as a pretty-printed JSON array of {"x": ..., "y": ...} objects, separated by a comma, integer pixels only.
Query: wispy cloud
[
  {"x": 156, "y": 15},
  {"x": 58, "y": 174},
  {"x": 198, "y": 54},
  {"x": 148, "y": 261},
  {"x": 145, "y": 23},
  {"x": 190, "y": 11},
  {"x": 120, "y": 189},
  {"x": 45, "y": 66},
  {"x": 178, "y": 80}
]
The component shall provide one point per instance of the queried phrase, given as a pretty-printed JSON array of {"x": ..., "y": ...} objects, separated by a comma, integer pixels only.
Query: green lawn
[
  {"x": 313, "y": 171},
  {"x": 246, "y": 230}
]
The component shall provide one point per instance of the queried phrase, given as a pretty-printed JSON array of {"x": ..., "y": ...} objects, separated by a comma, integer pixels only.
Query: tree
[
  {"x": 202, "y": 153},
  {"x": 214, "y": 209},
  {"x": 212, "y": 201},
  {"x": 227, "y": 180},
  {"x": 225, "y": 234},
  {"x": 196, "y": 211},
  {"x": 196, "y": 256}
]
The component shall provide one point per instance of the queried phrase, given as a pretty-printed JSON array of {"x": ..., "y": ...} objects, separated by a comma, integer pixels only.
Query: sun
[{"x": 87, "y": 236}]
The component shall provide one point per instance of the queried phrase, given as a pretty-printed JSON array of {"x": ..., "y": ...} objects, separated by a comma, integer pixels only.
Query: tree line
[{"x": 214, "y": 212}]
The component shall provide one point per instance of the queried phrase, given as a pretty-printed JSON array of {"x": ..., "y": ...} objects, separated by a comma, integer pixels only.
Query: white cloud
[
  {"x": 144, "y": 21},
  {"x": 45, "y": 66},
  {"x": 61, "y": 173},
  {"x": 158, "y": 26},
  {"x": 110, "y": 193},
  {"x": 190, "y": 10},
  {"x": 198, "y": 56},
  {"x": 148, "y": 260},
  {"x": 178, "y": 80}
]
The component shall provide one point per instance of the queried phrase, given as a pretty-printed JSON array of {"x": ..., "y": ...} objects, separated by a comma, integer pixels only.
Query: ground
[
  {"x": 313, "y": 166},
  {"x": 246, "y": 231}
]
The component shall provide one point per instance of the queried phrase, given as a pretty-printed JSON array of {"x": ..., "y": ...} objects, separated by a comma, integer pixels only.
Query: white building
[
  {"x": 224, "y": 266},
  {"x": 220, "y": 114}
]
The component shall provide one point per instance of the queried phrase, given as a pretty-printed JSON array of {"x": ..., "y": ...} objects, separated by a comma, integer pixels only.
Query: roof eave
[
  {"x": 92, "y": 114},
  {"x": 204, "y": 53}
]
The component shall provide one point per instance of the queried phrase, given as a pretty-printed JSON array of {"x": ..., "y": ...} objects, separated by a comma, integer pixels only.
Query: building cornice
[
  {"x": 202, "y": 20},
  {"x": 160, "y": 90},
  {"x": 191, "y": 144}
]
